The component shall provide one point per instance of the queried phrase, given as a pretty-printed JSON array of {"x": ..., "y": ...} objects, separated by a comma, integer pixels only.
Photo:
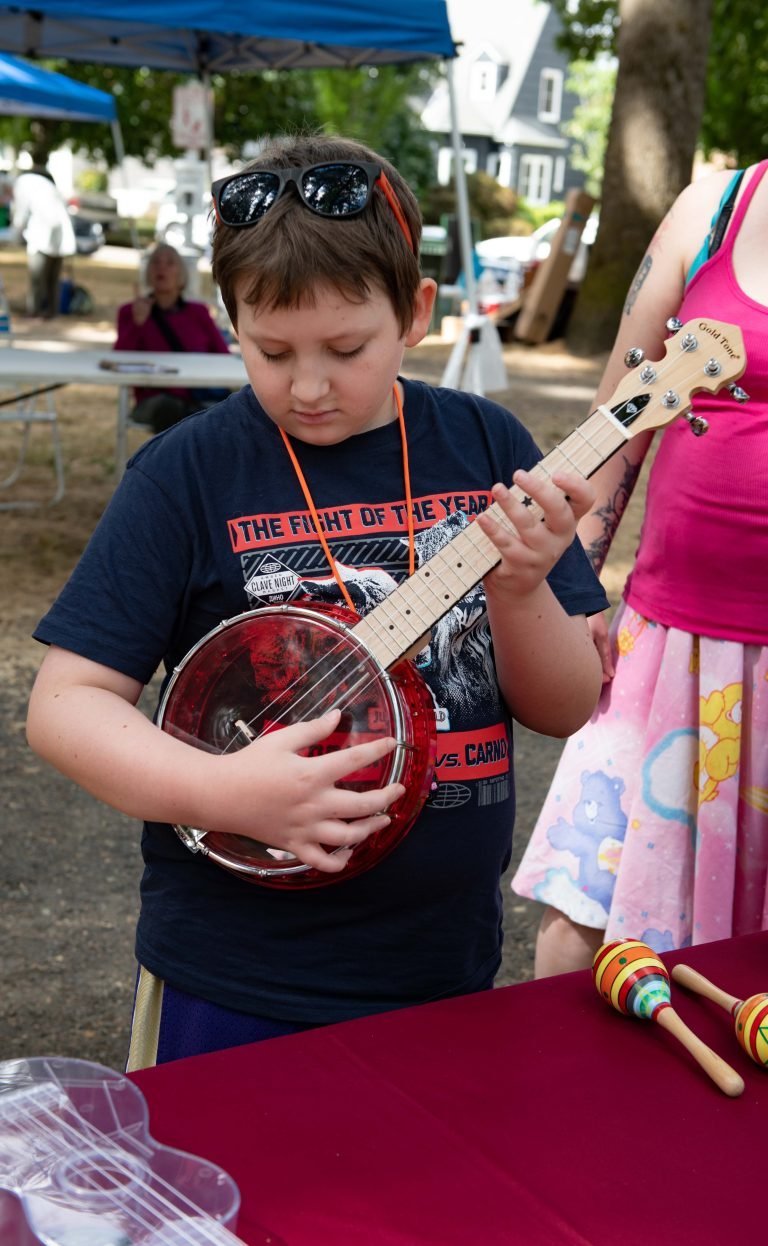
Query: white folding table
[{"x": 35, "y": 373}]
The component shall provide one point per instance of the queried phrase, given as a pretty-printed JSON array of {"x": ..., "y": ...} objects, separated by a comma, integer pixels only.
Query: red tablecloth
[{"x": 530, "y": 1115}]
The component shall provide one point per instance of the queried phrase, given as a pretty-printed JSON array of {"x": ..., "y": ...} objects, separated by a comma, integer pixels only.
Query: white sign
[{"x": 190, "y": 123}]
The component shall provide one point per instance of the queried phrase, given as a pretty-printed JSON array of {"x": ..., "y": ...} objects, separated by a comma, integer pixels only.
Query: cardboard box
[{"x": 542, "y": 299}]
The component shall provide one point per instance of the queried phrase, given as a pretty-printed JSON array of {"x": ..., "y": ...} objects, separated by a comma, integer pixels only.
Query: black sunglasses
[{"x": 339, "y": 189}]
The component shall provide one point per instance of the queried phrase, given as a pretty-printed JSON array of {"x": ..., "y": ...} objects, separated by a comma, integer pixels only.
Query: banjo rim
[{"x": 260, "y": 867}]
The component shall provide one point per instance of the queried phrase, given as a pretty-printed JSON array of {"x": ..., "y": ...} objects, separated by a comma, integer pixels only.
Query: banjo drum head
[{"x": 269, "y": 668}]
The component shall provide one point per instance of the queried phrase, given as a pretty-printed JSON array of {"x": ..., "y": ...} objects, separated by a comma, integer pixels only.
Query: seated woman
[{"x": 163, "y": 320}]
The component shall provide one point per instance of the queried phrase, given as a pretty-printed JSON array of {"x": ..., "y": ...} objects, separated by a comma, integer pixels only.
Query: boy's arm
[
  {"x": 83, "y": 719},
  {"x": 548, "y": 668}
]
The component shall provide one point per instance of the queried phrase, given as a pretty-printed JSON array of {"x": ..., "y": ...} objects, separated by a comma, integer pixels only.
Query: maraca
[
  {"x": 633, "y": 980},
  {"x": 750, "y": 1016}
]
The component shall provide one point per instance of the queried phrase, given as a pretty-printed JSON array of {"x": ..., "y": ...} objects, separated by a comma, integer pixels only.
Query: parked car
[
  {"x": 92, "y": 214},
  {"x": 89, "y": 235},
  {"x": 521, "y": 254}
]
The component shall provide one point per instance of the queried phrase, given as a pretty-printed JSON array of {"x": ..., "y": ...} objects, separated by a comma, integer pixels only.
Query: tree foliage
[
  {"x": 735, "y": 116},
  {"x": 594, "y": 82},
  {"x": 736, "y": 111},
  {"x": 381, "y": 107},
  {"x": 376, "y": 105}
]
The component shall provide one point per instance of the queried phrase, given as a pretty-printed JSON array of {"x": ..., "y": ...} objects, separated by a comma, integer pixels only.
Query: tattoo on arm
[
  {"x": 637, "y": 285},
  {"x": 610, "y": 514}
]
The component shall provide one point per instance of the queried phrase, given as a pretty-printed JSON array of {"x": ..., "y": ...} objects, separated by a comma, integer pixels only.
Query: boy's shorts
[{"x": 169, "y": 1024}]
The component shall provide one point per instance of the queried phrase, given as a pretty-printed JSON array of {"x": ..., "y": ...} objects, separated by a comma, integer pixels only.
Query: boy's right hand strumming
[
  {"x": 277, "y": 794},
  {"x": 83, "y": 719}
]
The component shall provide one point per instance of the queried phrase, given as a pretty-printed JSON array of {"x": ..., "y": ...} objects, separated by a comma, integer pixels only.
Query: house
[{"x": 511, "y": 98}]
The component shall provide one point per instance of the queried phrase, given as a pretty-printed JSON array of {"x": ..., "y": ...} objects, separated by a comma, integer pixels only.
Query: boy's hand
[
  {"x": 275, "y": 794},
  {"x": 540, "y": 537}
]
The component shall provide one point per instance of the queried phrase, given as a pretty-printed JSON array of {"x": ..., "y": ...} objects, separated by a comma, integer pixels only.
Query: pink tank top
[{"x": 702, "y": 562}]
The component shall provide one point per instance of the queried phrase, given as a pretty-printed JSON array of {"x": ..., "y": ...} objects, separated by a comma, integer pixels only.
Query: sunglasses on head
[{"x": 338, "y": 188}]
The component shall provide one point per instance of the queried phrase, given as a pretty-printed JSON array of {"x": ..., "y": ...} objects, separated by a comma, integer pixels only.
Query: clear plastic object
[{"x": 78, "y": 1166}]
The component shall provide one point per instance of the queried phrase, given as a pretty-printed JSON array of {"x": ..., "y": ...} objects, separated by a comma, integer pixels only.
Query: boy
[{"x": 316, "y": 254}]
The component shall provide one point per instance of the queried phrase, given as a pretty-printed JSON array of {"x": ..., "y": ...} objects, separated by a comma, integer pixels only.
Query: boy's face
[{"x": 325, "y": 371}]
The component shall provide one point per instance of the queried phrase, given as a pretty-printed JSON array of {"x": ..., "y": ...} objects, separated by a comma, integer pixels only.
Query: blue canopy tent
[
  {"x": 198, "y": 37},
  {"x": 27, "y": 90}
]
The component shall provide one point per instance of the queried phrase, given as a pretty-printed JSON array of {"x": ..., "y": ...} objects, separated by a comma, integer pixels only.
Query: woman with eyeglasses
[
  {"x": 324, "y": 837},
  {"x": 160, "y": 320}
]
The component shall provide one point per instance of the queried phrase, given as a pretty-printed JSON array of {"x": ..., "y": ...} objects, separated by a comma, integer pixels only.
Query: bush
[
  {"x": 496, "y": 210},
  {"x": 93, "y": 180},
  {"x": 119, "y": 233},
  {"x": 488, "y": 203}
]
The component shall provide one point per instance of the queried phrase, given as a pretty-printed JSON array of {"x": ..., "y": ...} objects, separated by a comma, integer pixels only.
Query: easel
[{"x": 476, "y": 363}]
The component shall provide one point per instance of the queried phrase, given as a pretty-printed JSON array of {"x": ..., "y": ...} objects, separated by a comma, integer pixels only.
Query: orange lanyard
[{"x": 316, "y": 518}]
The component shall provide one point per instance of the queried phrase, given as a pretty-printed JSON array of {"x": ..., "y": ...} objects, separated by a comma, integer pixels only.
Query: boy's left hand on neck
[{"x": 531, "y": 538}]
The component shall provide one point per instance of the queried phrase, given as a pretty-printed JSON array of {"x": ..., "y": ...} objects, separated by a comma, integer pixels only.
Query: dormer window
[
  {"x": 484, "y": 78},
  {"x": 550, "y": 95}
]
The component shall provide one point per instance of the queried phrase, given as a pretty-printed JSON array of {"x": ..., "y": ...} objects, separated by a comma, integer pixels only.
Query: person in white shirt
[{"x": 40, "y": 214}]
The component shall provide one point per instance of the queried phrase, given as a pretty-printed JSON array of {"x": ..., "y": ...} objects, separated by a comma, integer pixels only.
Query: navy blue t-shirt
[{"x": 208, "y": 521}]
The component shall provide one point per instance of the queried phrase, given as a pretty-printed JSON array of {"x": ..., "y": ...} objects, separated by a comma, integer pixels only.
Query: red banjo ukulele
[{"x": 279, "y": 665}]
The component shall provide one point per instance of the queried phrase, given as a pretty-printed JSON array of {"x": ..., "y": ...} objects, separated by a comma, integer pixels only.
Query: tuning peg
[
  {"x": 736, "y": 392},
  {"x": 634, "y": 356},
  {"x": 673, "y": 324},
  {"x": 698, "y": 424}
]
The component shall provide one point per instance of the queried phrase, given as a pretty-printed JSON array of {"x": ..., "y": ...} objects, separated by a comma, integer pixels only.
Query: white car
[{"x": 521, "y": 253}]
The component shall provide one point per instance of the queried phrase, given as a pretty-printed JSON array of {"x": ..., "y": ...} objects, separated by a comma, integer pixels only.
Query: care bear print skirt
[{"x": 656, "y": 823}]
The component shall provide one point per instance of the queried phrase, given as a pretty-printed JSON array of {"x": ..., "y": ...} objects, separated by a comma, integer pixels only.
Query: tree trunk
[{"x": 657, "y": 110}]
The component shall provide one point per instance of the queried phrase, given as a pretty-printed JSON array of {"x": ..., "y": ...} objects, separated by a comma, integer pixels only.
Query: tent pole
[
  {"x": 476, "y": 362},
  {"x": 462, "y": 198},
  {"x": 117, "y": 139}
]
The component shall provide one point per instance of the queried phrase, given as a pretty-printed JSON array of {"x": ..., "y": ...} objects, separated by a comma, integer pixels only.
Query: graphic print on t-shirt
[{"x": 282, "y": 559}]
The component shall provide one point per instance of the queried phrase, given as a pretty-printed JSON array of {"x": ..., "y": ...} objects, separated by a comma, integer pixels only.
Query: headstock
[{"x": 703, "y": 354}]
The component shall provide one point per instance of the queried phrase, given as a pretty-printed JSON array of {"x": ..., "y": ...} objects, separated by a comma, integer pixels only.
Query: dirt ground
[{"x": 69, "y": 867}]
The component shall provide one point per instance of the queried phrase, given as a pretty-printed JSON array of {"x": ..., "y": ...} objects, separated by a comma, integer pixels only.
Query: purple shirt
[{"x": 191, "y": 324}]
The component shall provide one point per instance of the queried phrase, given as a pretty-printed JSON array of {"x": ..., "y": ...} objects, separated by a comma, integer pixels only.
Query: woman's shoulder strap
[
  {"x": 718, "y": 225},
  {"x": 723, "y": 214}
]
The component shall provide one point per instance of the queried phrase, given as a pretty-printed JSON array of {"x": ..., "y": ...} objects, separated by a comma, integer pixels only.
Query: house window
[
  {"x": 492, "y": 164},
  {"x": 504, "y": 175},
  {"x": 558, "y": 180},
  {"x": 445, "y": 163},
  {"x": 550, "y": 95},
  {"x": 535, "y": 183},
  {"x": 484, "y": 79}
]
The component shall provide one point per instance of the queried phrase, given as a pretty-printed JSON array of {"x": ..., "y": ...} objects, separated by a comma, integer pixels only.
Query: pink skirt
[{"x": 656, "y": 823}]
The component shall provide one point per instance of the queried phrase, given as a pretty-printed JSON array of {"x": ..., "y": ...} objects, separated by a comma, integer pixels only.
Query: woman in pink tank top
[{"x": 656, "y": 823}]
